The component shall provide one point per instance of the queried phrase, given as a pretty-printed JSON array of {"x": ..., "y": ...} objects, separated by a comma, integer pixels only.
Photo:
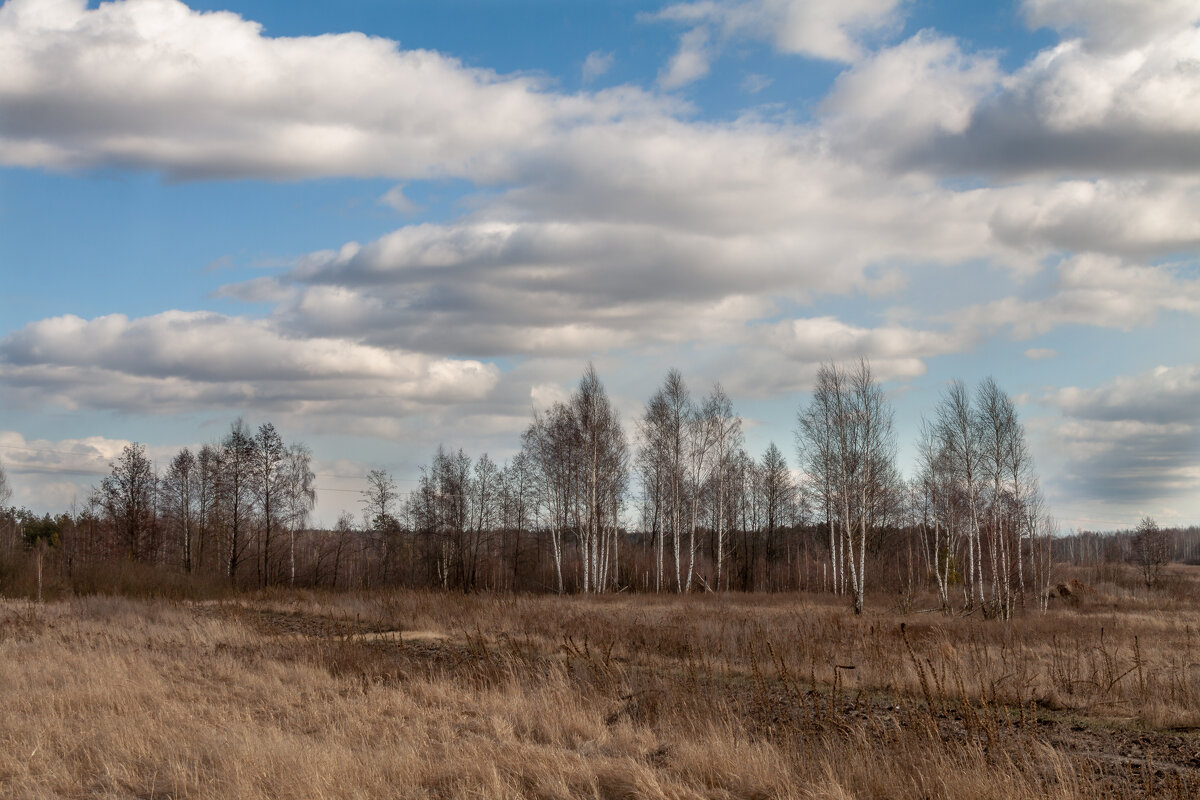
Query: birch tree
[
  {"x": 654, "y": 462},
  {"x": 817, "y": 444},
  {"x": 666, "y": 424},
  {"x": 727, "y": 440},
  {"x": 549, "y": 440},
  {"x": 603, "y": 460},
  {"x": 847, "y": 441},
  {"x": 701, "y": 433},
  {"x": 300, "y": 496},
  {"x": 959, "y": 434}
]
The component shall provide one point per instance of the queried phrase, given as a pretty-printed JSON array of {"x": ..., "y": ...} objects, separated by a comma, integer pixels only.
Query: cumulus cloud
[
  {"x": 48, "y": 475},
  {"x": 1091, "y": 290},
  {"x": 1134, "y": 439},
  {"x": 816, "y": 339},
  {"x": 583, "y": 285},
  {"x": 1162, "y": 396},
  {"x": 90, "y": 455},
  {"x": 1132, "y": 218},
  {"x": 783, "y": 356},
  {"x": 830, "y": 31},
  {"x": 690, "y": 62},
  {"x": 155, "y": 85},
  {"x": 186, "y": 360},
  {"x": 1112, "y": 24},
  {"x": 395, "y": 199},
  {"x": 754, "y": 83},
  {"x": 902, "y": 95},
  {"x": 1075, "y": 111},
  {"x": 596, "y": 64}
]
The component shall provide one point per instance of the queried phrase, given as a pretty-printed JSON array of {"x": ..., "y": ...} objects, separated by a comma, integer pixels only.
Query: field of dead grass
[{"x": 419, "y": 695}]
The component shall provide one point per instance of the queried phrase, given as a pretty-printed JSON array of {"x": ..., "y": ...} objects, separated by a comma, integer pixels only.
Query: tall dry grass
[{"x": 312, "y": 695}]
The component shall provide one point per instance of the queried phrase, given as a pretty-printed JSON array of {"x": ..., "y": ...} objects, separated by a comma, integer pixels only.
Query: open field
[{"x": 743, "y": 696}]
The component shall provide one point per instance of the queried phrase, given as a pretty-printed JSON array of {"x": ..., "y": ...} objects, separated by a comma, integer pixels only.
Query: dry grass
[{"x": 324, "y": 696}]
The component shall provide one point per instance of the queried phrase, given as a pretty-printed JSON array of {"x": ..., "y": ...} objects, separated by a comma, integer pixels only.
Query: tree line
[
  {"x": 246, "y": 498},
  {"x": 675, "y": 504}
]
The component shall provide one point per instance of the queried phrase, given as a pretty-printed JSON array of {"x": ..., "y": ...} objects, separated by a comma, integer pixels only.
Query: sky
[{"x": 385, "y": 226}]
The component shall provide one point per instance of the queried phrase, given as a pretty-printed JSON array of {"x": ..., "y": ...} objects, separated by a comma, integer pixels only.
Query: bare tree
[
  {"x": 179, "y": 488},
  {"x": 1150, "y": 550},
  {"x": 1041, "y": 531},
  {"x": 655, "y": 469},
  {"x": 127, "y": 495},
  {"x": 778, "y": 492},
  {"x": 379, "y": 499},
  {"x": 939, "y": 509},
  {"x": 701, "y": 428},
  {"x": 209, "y": 469},
  {"x": 998, "y": 426},
  {"x": 666, "y": 426},
  {"x": 550, "y": 442},
  {"x": 237, "y": 483},
  {"x": 603, "y": 465},
  {"x": 41, "y": 534},
  {"x": 727, "y": 440},
  {"x": 958, "y": 431},
  {"x": 847, "y": 442},
  {"x": 300, "y": 497},
  {"x": 485, "y": 492},
  {"x": 5, "y": 489},
  {"x": 267, "y": 485},
  {"x": 1024, "y": 482},
  {"x": 817, "y": 442},
  {"x": 520, "y": 501}
]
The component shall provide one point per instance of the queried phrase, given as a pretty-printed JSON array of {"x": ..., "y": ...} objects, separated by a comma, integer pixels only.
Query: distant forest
[{"x": 675, "y": 505}]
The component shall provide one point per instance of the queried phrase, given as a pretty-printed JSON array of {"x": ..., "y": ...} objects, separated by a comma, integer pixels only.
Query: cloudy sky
[{"x": 387, "y": 225}]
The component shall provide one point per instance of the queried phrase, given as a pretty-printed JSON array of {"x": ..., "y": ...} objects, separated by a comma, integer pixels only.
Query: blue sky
[{"x": 385, "y": 226}]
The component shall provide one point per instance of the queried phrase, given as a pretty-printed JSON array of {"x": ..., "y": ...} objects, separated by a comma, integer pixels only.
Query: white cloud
[
  {"x": 818, "y": 339},
  {"x": 690, "y": 62},
  {"x": 784, "y": 356},
  {"x": 90, "y": 455},
  {"x": 395, "y": 199},
  {"x": 1077, "y": 111},
  {"x": 48, "y": 475},
  {"x": 1162, "y": 396},
  {"x": 155, "y": 85},
  {"x": 1040, "y": 353},
  {"x": 186, "y": 360},
  {"x": 1134, "y": 439},
  {"x": 265, "y": 289},
  {"x": 1133, "y": 218},
  {"x": 596, "y": 64},
  {"x": 754, "y": 83},
  {"x": 544, "y": 395},
  {"x": 831, "y": 31},
  {"x": 1113, "y": 24},
  {"x": 587, "y": 286},
  {"x": 1091, "y": 290},
  {"x": 902, "y": 95}
]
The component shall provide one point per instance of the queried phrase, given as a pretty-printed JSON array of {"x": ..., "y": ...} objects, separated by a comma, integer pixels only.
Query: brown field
[{"x": 424, "y": 695}]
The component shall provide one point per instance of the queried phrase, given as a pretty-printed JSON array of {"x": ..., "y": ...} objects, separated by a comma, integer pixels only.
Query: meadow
[{"x": 302, "y": 694}]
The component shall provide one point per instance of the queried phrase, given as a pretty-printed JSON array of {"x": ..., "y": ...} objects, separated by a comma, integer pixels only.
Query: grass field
[{"x": 301, "y": 695}]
